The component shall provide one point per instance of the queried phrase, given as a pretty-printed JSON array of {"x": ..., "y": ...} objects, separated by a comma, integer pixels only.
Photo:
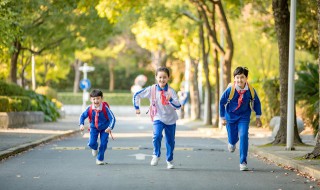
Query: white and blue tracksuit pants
[
  {"x": 169, "y": 131},
  {"x": 239, "y": 129},
  {"x": 93, "y": 144}
]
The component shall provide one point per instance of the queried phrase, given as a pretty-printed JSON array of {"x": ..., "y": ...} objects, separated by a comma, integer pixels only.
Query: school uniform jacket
[
  {"x": 165, "y": 113},
  {"x": 103, "y": 122},
  {"x": 229, "y": 113}
]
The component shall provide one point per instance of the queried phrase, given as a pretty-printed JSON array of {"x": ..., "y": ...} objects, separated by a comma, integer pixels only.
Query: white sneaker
[
  {"x": 98, "y": 162},
  {"x": 231, "y": 147},
  {"x": 243, "y": 167},
  {"x": 94, "y": 152},
  {"x": 170, "y": 165},
  {"x": 154, "y": 160}
]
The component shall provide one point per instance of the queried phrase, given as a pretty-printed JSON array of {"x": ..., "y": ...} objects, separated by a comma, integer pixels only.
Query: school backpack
[
  {"x": 104, "y": 110},
  {"x": 232, "y": 94}
]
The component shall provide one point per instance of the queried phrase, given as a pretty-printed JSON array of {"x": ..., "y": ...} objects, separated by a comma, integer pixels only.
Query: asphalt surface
[{"x": 205, "y": 142}]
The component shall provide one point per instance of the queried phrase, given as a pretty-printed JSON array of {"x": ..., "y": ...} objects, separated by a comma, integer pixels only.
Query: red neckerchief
[
  {"x": 240, "y": 99},
  {"x": 164, "y": 100}
]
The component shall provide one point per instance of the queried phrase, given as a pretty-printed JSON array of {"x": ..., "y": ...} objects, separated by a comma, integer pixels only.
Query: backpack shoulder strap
[
  {"x": 231, "y": 92},
  {"x": 90, "y": 113},
  {"x": 251, "y": 91},
  {"x": 104, "y": 109},
  {"x": 153, "y": 92}
]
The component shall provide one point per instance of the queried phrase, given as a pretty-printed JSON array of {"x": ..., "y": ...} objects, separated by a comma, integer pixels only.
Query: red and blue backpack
[{"x": 104, "y": 110}]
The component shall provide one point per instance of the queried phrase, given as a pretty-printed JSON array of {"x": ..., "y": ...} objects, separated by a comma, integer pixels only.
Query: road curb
[
  {"x": 23, "y": 147},
  {"x": 286, "y": 161}
]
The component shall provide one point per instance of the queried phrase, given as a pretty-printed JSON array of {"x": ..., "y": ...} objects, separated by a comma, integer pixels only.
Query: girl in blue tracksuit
[
  {"x": 236, "y": 113},
  {"x": 102, "y": 122},
  {"x": 166, "y": 103}
]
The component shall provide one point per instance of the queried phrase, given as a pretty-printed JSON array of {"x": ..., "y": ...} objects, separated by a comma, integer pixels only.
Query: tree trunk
[
  {"x": 316, "y": 151},
  {"x": 207, "y": 102},
  {"x": 14, "y": 61},
  {"x": 76, "y": 66},
  {"x": 229, "y": 49},
  {"x": 111, "y": 74},
  {"x": 217, "y": 93},
  {"x": 282, "y": 23},
  {"x": 194, "y": 92}
]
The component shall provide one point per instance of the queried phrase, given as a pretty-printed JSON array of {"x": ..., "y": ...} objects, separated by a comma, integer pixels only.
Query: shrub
[
  {"x": 37, "y": 102},
  {"x": 4, "y": 102},
  {"x": 19, "y": 103},
  {"x": 47, "y": 91},
  {"x": 9, "y": 89}
]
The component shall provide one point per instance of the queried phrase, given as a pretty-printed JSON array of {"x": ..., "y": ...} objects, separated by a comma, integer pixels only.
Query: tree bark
[
  {"x": 316, "y": 151},
  {"x": 229, "y": 49},
  {"x": 14, "y": 61},
  {"x": 76, "y": 66},
  {"x": 282, "y": 22},
  {"x": 217, "y": 93},
  {"x": 207, "y": 102},
  {"x": 194, "y": 92}
]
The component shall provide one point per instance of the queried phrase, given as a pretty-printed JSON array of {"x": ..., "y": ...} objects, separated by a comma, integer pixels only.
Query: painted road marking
[
  {"x": 125, "y": 148},
  {"x": 140, "y": 156},
  {"x": 69, "y": 148},
  {"x": 139, "y": 148}
]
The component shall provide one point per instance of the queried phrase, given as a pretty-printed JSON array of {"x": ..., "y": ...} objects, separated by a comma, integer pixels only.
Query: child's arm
[
  {"x": 144, "y": 93},
  {"x": 82, "y": 118},
  {"x": 173, "y": 99},
  {"x": 223, "y": 101},
  {"x": 257, "y": 109},
  {"x": 112, "y": 120}
]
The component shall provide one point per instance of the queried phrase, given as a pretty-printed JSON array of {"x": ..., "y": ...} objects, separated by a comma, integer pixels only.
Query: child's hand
[
  {"x": 81, "y": 127},
  {"x": 258, "y": 122},
  {"x": 108, "y": 130},
  {"x": 223, "y": 122},
  {"x": 138, "y": 112}
]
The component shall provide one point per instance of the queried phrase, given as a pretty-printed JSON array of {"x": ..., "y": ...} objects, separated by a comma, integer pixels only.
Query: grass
[{"x": 119, "y": 98}]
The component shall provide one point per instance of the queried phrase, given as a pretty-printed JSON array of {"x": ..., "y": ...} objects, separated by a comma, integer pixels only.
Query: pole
[
  {"x": 84, "y": 94},
  {"x": 290, "y": 110}
]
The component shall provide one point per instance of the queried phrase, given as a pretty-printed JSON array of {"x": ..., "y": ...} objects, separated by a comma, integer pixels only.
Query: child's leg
[
  {"x": 157, "y": 137},
  {"x": 103, "y": 145},
  {"x": 170, "y": 131},
  {"x": 243, "y": 133},
  {"x": 92, "y": 143},
  {"x": 232, "y": 129}
]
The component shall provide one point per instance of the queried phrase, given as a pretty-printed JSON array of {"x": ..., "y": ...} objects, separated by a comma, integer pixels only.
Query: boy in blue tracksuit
[
  {"x": 166, "y": 103},
  {"x": 101, "y": 121},
  {"x": 236, "y": 113}
]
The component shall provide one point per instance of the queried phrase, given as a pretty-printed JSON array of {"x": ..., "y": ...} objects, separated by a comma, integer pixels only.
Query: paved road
[{"x": 201, "y": 163}]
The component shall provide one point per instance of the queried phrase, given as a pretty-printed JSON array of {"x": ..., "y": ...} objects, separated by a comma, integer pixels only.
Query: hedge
[
  {"x": 37, "y": 102},
  {"x": 4, "y": 102},
  {"x": 69, "y": 98}
]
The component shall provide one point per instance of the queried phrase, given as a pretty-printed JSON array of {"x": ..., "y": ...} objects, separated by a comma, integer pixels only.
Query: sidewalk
[
  {"x": 259, "y": 137},
  {"x": 14, "y": 141}
]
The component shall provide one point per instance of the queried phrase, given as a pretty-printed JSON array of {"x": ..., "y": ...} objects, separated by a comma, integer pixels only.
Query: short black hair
[
  {"x": 241, "y": 70},
  {"x": 163, "y": 69},
  {"x": 96, "y": 93}
]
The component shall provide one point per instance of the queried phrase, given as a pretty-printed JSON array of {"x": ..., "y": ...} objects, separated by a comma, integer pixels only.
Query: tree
[
  {"x": 282, "y": 22},
  {"x": 316, "y": 151}
]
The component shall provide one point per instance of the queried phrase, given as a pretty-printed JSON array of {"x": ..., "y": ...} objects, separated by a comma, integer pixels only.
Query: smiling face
[
  {"x": 240, "y": 80},
  {"x": 96, "y": 101},
  {"x": 162, "y": 78}
]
